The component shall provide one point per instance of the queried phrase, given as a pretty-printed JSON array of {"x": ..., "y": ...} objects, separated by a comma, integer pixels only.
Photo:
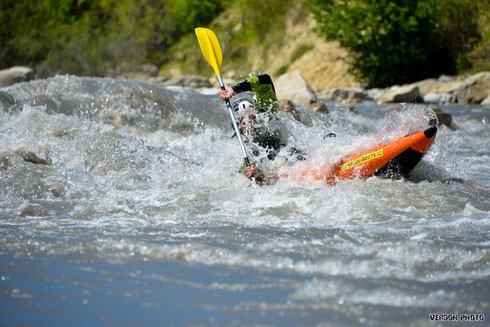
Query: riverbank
[
  {"x": 463, "y": 90},
  {"x": 472, "y": 89}
]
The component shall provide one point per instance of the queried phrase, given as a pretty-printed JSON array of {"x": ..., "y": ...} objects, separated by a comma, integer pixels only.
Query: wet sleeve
[
  {"x": 246, "y": 85},
  {"x": 242, "y": 87}
]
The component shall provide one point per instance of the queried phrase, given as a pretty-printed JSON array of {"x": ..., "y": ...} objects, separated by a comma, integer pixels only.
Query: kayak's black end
[
  {"x": 431, "y": 131},
  {"x": 401, "y": 165},
  {"x": 405, "y": 162}
]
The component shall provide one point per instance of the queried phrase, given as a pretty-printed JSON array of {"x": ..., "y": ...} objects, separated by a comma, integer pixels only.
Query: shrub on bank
[{"x": 396, "y": 42}]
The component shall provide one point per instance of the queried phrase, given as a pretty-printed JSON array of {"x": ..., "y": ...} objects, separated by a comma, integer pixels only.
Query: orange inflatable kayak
[{"x": 391, "y": 159}]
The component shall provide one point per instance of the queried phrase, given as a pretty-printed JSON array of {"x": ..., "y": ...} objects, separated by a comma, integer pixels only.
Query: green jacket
[{"x": 265, "y": 94}]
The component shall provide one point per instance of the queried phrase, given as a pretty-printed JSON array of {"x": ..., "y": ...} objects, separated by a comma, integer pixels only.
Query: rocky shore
[
  {"x": 474, "y": 89},
  {"x": 16, "y": 74}
]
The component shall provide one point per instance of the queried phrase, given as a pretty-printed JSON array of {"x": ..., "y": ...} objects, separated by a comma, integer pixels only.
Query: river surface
[{"x": 121, "y": 205}]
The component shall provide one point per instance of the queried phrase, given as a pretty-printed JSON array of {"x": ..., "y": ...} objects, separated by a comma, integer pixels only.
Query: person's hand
[
  {"x": 251, "y": 171},
  {"x": 226, "y": 94}
]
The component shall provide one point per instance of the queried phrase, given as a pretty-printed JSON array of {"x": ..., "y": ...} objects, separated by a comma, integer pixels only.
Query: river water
[{"x": 121, "y": 205}]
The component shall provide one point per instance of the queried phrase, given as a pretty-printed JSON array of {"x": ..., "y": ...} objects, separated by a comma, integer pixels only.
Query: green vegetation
[
  {"x": 261, "y": 20},
  {"x": 282, "y": 70},
  {"x": 389, "y": 41},
  {"x": 248, "y": 31},
  {"x": 300, "y": 51},
  {"x": 400, "y": 41},
  {"x": 90, "y": 37}
]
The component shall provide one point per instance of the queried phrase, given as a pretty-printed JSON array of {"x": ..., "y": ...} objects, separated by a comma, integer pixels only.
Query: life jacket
[{"x": 265, "y": 95}]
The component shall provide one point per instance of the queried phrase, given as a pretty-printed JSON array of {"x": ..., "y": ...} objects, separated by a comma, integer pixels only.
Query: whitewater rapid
[{"x": 119, "y": 198}]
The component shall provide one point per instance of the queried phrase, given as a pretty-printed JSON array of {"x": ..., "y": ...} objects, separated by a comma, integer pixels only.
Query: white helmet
[{"x": 244, "y": 106}]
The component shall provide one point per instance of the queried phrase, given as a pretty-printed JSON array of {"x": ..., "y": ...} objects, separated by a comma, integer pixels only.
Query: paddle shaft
[
  {"x": 212, "y": 53},
  {"x": 235, "y": 126}
]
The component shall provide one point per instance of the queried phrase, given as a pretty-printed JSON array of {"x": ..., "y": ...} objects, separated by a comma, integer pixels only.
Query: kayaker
[
  {"x": 263, "y": 88},
  {"x": 258, "y": 120}
]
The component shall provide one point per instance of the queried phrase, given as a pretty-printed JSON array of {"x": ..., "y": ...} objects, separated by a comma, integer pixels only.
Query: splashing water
[{"x": 123, "y": 195}]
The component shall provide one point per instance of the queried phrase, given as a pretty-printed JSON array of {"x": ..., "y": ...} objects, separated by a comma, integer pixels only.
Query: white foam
[{"x": 165, "y": 186}]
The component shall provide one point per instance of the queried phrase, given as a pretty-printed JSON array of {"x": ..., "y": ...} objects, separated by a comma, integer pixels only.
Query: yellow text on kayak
[{"x": 363, "y": 159}]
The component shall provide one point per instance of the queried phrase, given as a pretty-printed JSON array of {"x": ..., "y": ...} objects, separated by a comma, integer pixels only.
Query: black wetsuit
[
  {"x": 246, "y": 86},
  {"x": 264, "y": 90},
  {"x": 268, "y": 107}
]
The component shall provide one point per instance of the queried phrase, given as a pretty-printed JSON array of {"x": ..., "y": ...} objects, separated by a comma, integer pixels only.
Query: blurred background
[{"x": 332, "y": 43}]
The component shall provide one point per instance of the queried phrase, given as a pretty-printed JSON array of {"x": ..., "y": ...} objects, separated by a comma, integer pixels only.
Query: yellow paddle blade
[{"x": 210, "y": 47}]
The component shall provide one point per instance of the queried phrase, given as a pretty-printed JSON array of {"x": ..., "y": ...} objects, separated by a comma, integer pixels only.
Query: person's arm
[
  {"x": 242, "y": 87},
  {"x": 245, "y": 86}
]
